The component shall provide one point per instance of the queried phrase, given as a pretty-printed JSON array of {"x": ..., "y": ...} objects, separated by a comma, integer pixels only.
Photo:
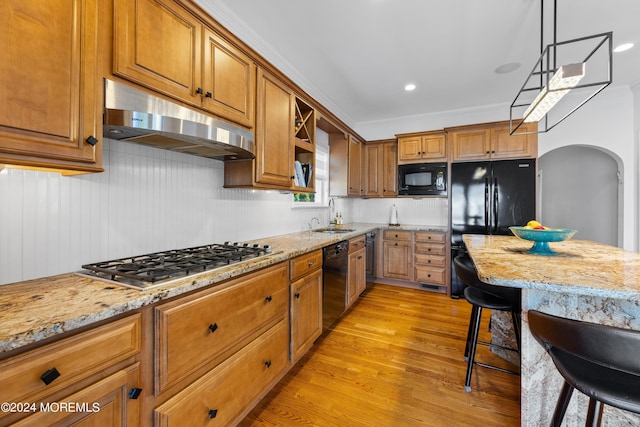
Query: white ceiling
[{"x": 355, "y": 56}]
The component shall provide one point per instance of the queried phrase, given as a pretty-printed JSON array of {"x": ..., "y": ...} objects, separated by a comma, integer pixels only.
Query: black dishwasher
[{"x": 334, "y": 286}]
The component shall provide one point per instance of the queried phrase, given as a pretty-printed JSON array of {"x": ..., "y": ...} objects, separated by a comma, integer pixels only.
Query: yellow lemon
[{"x": 533, "y": 224}]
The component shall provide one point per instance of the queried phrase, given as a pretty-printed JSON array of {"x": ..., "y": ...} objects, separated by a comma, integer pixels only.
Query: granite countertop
[
  {"x": 38, "y": 309},
  {"x": 580, "y": 267}
]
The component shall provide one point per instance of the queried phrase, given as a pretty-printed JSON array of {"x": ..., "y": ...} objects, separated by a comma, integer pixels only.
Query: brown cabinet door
[
  {"x": 390, "y": 169},
  {"x": 229, "y": 81},
  {"x": 434, "y": 147},
  {"x": 158, "y": 44},
  {"x": 398, "y": 259},
  {"x": 355, "y": 168},
  {"x": 410, "y": 148},
  {"x": 274, "y": 132},
  {"x": 49, "y": 88},
  {"x": 373, "y": 155},
  {"x": 505, "y": 146},
  {"x": 306, "y": 313},
  {"x": 472, "y": 144}
]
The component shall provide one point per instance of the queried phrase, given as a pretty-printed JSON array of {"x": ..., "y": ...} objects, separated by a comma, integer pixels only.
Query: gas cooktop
[{"x": 155, "y": 269}]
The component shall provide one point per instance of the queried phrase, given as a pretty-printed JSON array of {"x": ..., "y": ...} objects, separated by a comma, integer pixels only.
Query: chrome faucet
[{"x": 311, "y": 222}]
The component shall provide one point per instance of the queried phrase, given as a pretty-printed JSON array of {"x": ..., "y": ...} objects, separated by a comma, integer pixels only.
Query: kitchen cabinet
[
  {"x": 422, "y": 147},
  {"x": 397, "y": 252},
  {"x": 221, "y": 397},
  {"x": 430, "y": 260},
  {"x": 306, "y": 302},
  {"x": 161, "y": 45},
  {"x": 357, "y": 268},
  {"x": 345, "y": 165},
  {"x": 492, "y": 142},
  {"x": 200, "y": 331},
  {"x": 285, "y": 134},
  {"x": 50, "y": 102},
  {"x": 381, "y": 169},
  {"x": 95, "y": 366}
]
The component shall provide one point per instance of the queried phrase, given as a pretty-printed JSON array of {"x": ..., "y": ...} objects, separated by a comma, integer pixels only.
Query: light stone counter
[
  {"x": 584, "y": 281},
  {"x": 38, "y": 309}
]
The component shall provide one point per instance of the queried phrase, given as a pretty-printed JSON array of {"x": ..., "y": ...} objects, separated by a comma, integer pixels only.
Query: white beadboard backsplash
[{"x": 149, "y": 200}]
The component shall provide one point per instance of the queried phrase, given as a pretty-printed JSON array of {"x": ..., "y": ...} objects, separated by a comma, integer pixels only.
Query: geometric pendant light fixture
[{"x": 566, "y": 76}]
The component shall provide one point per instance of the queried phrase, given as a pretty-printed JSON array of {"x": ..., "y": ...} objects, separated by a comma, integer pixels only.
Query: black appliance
[
  {"x": 488, "y": 198},
  {"x": 422, "y": 179},
  {"x": 154, "y": 269},
  {"x": 335, "y": 266}
]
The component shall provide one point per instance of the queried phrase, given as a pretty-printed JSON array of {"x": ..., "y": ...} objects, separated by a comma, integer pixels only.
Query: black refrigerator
[{"x": 488, "y": 198}]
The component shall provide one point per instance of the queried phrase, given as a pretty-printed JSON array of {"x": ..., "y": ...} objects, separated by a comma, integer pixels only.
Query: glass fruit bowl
[{"x": 541, "y": 238}]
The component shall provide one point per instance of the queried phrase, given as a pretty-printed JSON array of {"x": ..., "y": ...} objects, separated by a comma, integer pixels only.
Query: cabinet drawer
[
  {"x": 74, "y": 358},
  {"x": 430, "y": 275},
  {"x": 211, "y": 326},
  {"x": 357, "y": 243},
  {"x": 428, "y": 249},
  {"x": 430, "y": 260},
  {"x": 396, "y": 235},
  {"x": 303, "y": 264},
  {"x": 430, "y": 237},
  {"x": 221, "y": 395}
]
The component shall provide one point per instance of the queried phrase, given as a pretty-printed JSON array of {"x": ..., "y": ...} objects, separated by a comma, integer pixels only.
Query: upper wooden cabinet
[
  {"x": 50, "y": 103},
  {"x": 161, "y": 45},
  {"x": 380, "y": 169},
  {"x": 422, "y": 147},
  {"x": 345, "y": 166},
  {"x": 285, "y": 141},
  {"x": 492, "y": 141}
]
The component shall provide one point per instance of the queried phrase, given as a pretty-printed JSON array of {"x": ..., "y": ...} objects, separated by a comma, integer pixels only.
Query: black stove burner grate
[{"x": 146, "y": 270}]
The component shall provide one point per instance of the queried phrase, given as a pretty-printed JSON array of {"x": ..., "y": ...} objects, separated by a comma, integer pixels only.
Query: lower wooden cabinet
[
  {"x": 306, "y": 312},
  {"x": 73, "y": 370},
  {"x": 357, "y": 265},
  {"x": 220, "y": 397},
  {"x": 397, "y": 252}
]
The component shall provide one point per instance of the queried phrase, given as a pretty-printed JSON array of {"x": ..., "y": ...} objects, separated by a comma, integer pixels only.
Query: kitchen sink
[{"x": 331, "y": 230}]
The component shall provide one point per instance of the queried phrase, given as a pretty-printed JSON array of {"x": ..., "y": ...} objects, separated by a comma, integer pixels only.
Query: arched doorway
[{"x": 580, "y": 188}]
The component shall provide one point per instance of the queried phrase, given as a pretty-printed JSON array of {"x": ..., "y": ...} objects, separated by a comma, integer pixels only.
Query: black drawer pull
[
  {"x": 297, "y": 295},
  {"x": 48, "y": 377},
  {"x": 213, "y": 413},
  {"x": 199, "y": 91},
  {"x": 208, "y": 95},
  {"x": 213, "y": 327},
  {"x": 267, "y": 363},
  {"x": 134, "y": 393},
  {"x": 268, "y": 298},
  {"x": 92, "y": 140}
]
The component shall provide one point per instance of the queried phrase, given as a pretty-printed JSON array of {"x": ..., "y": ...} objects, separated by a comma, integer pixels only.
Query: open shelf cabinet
[{"x": 304, "y": 146}]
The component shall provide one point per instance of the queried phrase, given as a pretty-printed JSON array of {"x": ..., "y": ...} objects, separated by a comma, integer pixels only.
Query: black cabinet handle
[
  {"x": 92, "y": 140},
  {"x": 267, "y": 363},
  {"x": 213, "y": 413},
  {"x": 213, "y": 327},
  {"x": 297, "y": 295},
  {"x": 396, "y": 244},
  {"x": 49, "y": 376},
  {"x": 268, "y": 298},
  {"x": 199, "y": 91},
  {"x": 360, "y": 257},
  {"x": 134, "y": 393},
  {"x": 208, "y": 95}
]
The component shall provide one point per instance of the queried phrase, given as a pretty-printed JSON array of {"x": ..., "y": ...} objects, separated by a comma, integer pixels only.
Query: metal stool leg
[
  {"x": 472, "y": 348},
  {"x": 469, "y": 332},
  {"x": 561, "y": 406},
  {"x": 594, "y": 416}
]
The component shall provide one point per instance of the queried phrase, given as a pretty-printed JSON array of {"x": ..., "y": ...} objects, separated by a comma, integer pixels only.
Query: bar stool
[
  {"x": 600, "y": 361},
  {"x": 482, "y": 295}
]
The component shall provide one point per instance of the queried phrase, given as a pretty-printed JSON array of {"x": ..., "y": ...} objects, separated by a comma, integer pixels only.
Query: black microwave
[{"x": 422, "y": 179}]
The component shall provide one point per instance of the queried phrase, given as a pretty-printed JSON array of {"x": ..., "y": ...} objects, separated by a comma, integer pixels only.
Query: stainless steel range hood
[{"x": 135, "y": 116}]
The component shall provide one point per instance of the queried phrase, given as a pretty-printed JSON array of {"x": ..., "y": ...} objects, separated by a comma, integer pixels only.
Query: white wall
[
  {"x": 609, "y": 121},
  {"x": 146, "y": 200}
]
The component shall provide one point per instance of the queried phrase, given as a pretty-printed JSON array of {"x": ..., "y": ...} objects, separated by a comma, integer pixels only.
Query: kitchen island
[{"x": 584, "y": 281}]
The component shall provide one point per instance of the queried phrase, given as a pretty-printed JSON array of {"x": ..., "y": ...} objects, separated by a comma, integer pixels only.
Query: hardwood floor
[{"x": 394, "y": 359}]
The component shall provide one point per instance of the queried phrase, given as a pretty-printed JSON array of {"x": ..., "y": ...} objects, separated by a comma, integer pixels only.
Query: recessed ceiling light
[
  {"x": 409, "y": 87},
  {"x": 623, "y": 47},
  {"x": 507, "y": 68}
]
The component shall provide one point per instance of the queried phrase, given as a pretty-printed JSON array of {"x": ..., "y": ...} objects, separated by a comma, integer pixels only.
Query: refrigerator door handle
[
  {"x": 486, "y": 206},
  {"x": 495, "y": 204}
]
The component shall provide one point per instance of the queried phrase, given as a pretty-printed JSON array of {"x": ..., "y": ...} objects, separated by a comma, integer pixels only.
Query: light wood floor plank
[{"x": 395, "y": 359}]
